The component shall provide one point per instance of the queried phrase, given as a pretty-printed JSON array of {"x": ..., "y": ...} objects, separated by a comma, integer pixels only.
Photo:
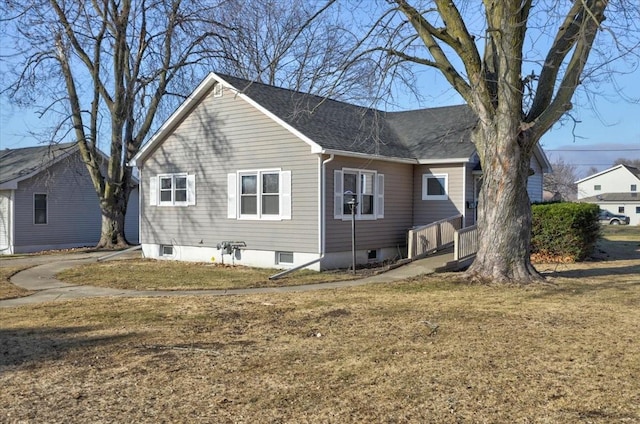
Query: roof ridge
[{"x": 226, "y": 77}]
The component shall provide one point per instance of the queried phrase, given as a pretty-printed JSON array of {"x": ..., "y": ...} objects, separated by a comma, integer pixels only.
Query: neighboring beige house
[
  {"x": 274, "y": 170},
  {"x": 615, "y": 189},
  {"x": 47, "y": 201}
]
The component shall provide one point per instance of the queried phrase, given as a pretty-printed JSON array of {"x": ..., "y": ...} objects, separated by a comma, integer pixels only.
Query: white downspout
[{"x": 322, "y": 201}]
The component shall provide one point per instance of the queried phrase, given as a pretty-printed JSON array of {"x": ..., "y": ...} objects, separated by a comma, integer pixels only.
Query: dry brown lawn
[
  {"x": 430, "y": 350},
  {"x": 8, "y": 290},
  {"x": 146, "y": 274}
]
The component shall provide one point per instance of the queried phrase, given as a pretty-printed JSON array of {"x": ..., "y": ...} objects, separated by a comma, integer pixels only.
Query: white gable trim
[
  {"x": 194, "y": 98},
  {"x": 605, "y": 172},
  {"x": 542, "y": 159},
  {"x": 176, "y": 117},
  {"x": 443, "y": 161}
]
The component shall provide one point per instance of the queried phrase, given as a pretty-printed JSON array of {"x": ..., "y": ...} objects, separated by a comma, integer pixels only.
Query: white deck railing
[
  {"x": 465, "y": 243},
  {"x": 432, "y": 237}
]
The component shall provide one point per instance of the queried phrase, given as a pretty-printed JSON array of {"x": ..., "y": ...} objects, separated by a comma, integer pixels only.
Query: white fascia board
[
  {"x": 9, "y": 185},
  {"x": 443, "y": 161},
  {"x": 345, "y": 153},
  {"x": 598, "y": 174},
  {"x": 542, "y": 158},
  {"x": 176, "y": 117}
]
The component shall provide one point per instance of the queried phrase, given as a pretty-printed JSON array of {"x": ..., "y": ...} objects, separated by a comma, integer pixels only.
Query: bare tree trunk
[
  {"x": 504, "y": 214},
  {"x": 114, "y": 210}
]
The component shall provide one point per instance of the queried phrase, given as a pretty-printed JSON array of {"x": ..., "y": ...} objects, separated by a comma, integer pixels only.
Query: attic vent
[{"x": 217, "y": 90}]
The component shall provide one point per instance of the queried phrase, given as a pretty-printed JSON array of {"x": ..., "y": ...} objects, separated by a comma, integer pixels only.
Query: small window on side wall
[
  {"x": 39, "y": 208},
  {"x": 166, "y": 250},
  {"x": 620, "y": 209},
  {"x": 634, "y": 187},
  {"x": 284, "y": 258},
  {"x": 597, "y": 187},
  {"x": 435, "y": 187}
]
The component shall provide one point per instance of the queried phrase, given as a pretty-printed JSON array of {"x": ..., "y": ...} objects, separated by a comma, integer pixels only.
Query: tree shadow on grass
[
  {"x": 600, "y": 271},
  {"x": 31, "y": 345}
]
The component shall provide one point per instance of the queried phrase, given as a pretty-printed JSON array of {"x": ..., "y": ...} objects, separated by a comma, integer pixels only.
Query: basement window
[
  {"x": 284, "y": 258},
  {"x": 372, "y": 255},
  {"x": 166, "y": 250}
]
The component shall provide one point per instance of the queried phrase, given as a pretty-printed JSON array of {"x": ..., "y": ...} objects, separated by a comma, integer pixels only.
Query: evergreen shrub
[{"x": 564, "y": 231}]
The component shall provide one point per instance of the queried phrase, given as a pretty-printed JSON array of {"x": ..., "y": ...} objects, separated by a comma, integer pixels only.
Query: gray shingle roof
[
  {"x": 20, "y": 163},
  {"x": 612, "y": 197},
  {"x": 438, "y": 133}
]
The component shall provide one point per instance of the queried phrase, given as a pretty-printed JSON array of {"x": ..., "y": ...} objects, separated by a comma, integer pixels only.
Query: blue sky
[
  {"x": 609, "y": 126},
  {"x": 607, "y": 131}
]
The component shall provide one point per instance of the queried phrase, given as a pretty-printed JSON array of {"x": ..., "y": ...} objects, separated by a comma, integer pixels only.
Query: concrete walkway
[{"x": 41, "y": 279}]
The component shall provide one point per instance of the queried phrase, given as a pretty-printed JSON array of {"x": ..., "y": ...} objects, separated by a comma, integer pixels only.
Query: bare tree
[
  {"x": 298, "y": 45},
  {"x": 105, "y": 68},
  {"x": 629, "y": 162},
  {"x": 561, "y": 181},
  {"x": 492, "y": 54}
]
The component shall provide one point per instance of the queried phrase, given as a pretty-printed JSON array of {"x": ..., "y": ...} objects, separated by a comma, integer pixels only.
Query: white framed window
[
  {"x": 40, "y": 214},
  {"x": 172, "y": 190},
  {"x": 435, "y": 187},
  {"x": 620, "y": 209},
  {"x": 597, "y": 187},
  {"x": 365, "y": 187},
  {"x": 259, "y": 194},
  {"x": 634, "y": 187}
]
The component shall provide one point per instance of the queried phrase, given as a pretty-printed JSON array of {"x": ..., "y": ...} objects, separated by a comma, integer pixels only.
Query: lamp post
[{"x": 353, "y": 206}]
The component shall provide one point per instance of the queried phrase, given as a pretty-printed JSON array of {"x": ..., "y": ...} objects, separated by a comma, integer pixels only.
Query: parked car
[{"x": 606, "y": 217}]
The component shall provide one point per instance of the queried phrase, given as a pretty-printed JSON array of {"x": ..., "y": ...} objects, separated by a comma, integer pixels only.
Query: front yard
[{"x": 430, "y": 350}]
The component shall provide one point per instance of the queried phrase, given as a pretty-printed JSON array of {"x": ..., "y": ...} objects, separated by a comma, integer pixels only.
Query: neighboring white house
[
  {"x": 615, "y": 189},
  {"x": 47, "y": 201}
]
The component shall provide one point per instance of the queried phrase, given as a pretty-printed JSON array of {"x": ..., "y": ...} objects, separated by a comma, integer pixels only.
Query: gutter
[
  {"x": 322, "y": 171},
  {"x": 322, "y": 200}
]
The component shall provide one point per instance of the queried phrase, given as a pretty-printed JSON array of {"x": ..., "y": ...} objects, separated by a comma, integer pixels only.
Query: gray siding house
[
  {"x": 273, "y": 170},
  {"x": 47, "y": 201}
]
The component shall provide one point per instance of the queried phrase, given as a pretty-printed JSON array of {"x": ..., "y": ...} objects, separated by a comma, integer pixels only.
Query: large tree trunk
[
  {"x": 504, "y": 211},
  {"x": 112, "y": 235}
]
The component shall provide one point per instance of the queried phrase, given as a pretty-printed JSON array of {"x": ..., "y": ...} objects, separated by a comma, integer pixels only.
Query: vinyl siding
[
  {"x": 390, "y": 231},
  {"x": 73, "y": 214},
  {"x": 427, "y": 211},
  {"x": 131, "y": 220},
  {"x": 615, "y": 181},
  {"x": 224, "y": 135},
  {"x": 535, "y": 181}
]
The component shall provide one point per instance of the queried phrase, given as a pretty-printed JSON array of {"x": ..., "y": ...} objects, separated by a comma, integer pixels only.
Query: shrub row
[{"x": 564, "y": 230}]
